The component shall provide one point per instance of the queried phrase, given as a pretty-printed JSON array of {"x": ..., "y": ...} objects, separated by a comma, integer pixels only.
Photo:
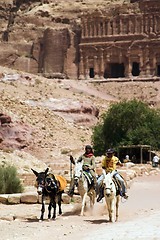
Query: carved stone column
[
  {"x": 111, "y": 27},
  {"x": 142, "y": 24},
  {"x": 136, "y": 23},
  {"x": 114, "y": 25},
  {"x": 129, "y": 68},
  {"x": 120, "y": 56},
  {"x": 95, "y": 67},
  {"x": 139, "y": 24},
  {"x": 92, "y": 29},
  {"x": 104, "y": 29},
  {"x": 141, "y": 60},
  {"x": 155, "y": 23},
  {"x": 120, "y": 26},
  {"x": 108, "y": 28},
  {"x": 99, "y": 30},
  {"x": 153, "y": 19},
  {"x": 146, "y": 24},
  {"x": 130, "y": 25},
  {"x": 154, "y": 65},
  {"x": 89, "y": 27},
  {"x": 83, "y": 29},
  {"x": 86, "y": 28},
  {"x": 147, "y": 62},
  {"x": 81, "y": 66},
  {"x": 151, "y": 24},
  {"x": 148, "y": 70},
  {"x": 86, "y": 68},
  {"x": 101, "y": 71},
  {"x": 95, "y": 28}
]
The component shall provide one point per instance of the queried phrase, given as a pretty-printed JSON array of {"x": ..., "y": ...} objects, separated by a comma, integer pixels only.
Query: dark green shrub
[
  {"x": 98, "y": 140},
  {"x": 127, "y": 123},
  {"x": 9, "y": 181}
]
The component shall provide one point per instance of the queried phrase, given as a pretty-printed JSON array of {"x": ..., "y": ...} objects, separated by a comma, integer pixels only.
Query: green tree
[{"x": 125, "y": 123}]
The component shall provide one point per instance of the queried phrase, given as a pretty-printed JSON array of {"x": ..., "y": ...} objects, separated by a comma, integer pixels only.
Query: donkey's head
[
  {"x": 40, "y": 180},
  {"x": 78, "y": 170},
  {"x": 51, "y": 184},
  {"x": 108, "y": 184}
]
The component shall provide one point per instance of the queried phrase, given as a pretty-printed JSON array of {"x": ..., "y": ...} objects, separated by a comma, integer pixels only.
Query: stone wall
[{"x": 28, "y": 179}]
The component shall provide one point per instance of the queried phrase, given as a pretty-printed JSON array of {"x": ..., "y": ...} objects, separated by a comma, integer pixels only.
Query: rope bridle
[
  {"x": 111, "y": 184},
  {"x": 51, "y": 185}
]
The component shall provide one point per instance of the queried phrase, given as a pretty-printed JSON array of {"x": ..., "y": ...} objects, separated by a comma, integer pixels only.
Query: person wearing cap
[
  {"x": 89, "y": 165},
  {"x": 109, "y": 164}
]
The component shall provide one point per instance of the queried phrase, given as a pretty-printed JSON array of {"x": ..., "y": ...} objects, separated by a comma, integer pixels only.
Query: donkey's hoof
[{"x": 81, "y": 214}]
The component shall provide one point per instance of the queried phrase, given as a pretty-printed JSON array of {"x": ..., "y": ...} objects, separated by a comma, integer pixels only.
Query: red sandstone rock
[
  {"x": 15, "y": 136},
  {"x": 5, "y": 119}
]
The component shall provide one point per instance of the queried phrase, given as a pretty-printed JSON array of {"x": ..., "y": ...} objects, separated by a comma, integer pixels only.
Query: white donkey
[
  {"x": 84, "y": 185},
  {"x": 112, "y": 199}
]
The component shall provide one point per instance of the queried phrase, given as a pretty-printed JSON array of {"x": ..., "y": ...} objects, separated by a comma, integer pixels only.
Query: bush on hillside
[
  {"x": 9, "y": 180},
  {"x": 127, "y": 123}
]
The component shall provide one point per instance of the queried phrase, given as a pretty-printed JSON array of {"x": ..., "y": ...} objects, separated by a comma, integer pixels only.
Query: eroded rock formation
[
  {"x": 13, "y": 135},
  {"x": 120, "y": 41}
]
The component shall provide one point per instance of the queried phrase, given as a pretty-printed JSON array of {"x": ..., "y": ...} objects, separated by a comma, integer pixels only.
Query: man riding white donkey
[
  {"x": 109, "y": 164},
  {"x": 89, "y": 166}
]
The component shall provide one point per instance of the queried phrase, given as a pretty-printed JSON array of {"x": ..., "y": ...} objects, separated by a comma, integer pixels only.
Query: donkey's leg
[
  {"x": 117, "y": 206},
  {"x": 109, "y": 208},
  {"x": 42, "y": 209},
  {"x": 92, "y": 199},
  {"x": 49, "y": 209},
  {"x": 83, "y": 203},
  {"x": 59, "y": 203},
  {"x": 113, "y": 206},
  {"x": 54, "y": 209}
]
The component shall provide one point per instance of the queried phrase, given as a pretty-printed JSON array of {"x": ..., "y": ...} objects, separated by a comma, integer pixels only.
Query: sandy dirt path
[
  {"x": 139, "y": 218},
  {"x": 83, "y": 86}
]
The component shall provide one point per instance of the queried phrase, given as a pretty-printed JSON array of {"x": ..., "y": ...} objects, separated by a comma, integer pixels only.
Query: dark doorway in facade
[
  {"x": 158, "y": 70},
  {"x": 91, "y": 72},
  {"x": 105, "y": 74},
  {"x": 135, "y": 69},
  {"x": 117, "y": 70}
]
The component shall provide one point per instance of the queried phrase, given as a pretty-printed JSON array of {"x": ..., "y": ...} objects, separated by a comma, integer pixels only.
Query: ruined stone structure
[
  {"x": 58, "y": 52},
  {"x": 124, "y": 45}
]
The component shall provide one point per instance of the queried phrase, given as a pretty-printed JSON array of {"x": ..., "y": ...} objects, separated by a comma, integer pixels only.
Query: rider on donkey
[
  {"x": 109, "y": 163},
  {"x": 89, "y": 165}
]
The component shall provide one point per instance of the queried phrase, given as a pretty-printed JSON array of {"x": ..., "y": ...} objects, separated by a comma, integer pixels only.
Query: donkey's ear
[
  {"x": 35, "y": 172},
  {"x": 46, "y": 171},
  {"x": 72, "y": 159}
]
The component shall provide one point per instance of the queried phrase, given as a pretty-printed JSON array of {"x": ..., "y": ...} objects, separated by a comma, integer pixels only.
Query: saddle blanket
[{"x": 62, "y": 181}]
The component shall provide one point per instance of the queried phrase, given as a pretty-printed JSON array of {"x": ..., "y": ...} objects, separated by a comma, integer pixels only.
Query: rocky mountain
[{"x": 50, "y": 118}]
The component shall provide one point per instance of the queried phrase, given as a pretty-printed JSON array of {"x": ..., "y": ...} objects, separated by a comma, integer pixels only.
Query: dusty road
[{"x": 139, "y": 218}]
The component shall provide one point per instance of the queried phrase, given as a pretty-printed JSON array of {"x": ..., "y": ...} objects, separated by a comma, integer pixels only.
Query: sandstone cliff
[{"x": 42, "y": 36}]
